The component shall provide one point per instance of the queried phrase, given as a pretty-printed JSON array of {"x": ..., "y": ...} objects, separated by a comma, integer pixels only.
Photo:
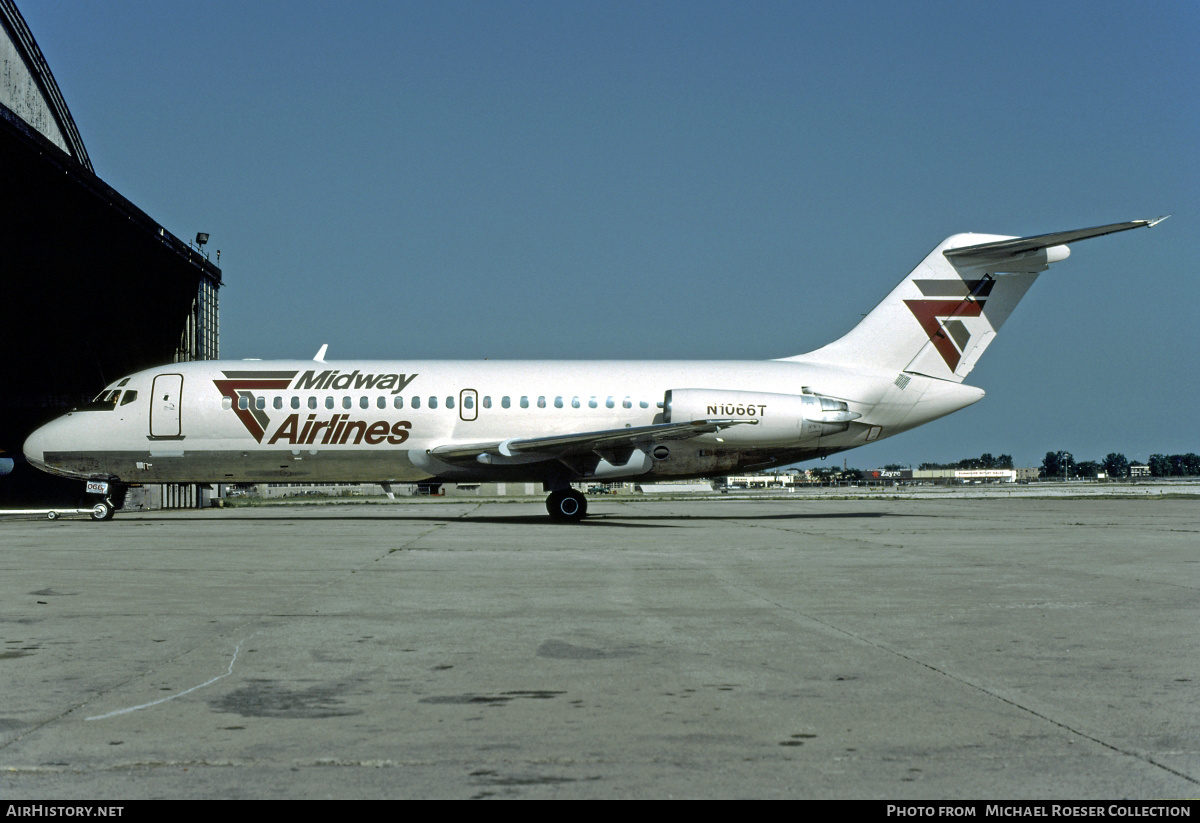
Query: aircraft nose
[
  {"x": 35, "y": 448},
  {"x": 42, "y": 448}
]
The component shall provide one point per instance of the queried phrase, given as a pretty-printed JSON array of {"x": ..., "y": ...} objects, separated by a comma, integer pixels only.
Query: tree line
[
  {"x": 1057, "y": 464},
  {"x": 1063, "y": 464}
]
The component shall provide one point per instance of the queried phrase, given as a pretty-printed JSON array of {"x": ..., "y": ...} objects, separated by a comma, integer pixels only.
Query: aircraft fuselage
[{"x": 379, "y": 421}]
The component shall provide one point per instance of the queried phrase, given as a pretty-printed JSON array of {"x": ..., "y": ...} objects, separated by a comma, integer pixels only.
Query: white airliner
[{"x": 558, "y": 422}]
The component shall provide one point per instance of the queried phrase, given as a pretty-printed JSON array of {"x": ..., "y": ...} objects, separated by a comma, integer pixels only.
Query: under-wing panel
[{"x": 566, "y": 445}]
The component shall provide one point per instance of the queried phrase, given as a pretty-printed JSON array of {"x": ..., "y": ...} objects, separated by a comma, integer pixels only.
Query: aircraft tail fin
[{"x": 942, "y": 317}]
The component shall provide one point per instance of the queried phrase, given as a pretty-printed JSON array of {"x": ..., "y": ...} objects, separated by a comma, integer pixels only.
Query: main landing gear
[{"x": 566, "y": 506}]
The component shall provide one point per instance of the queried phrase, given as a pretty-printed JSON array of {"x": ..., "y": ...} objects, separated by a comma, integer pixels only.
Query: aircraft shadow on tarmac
[{"x": 612, "y": 520}]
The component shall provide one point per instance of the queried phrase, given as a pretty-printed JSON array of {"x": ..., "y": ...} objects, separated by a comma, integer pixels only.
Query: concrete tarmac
[{"x": 892, "y": 649}]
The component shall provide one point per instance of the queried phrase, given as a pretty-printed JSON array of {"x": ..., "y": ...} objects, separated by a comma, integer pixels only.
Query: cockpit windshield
[{"x": 104, "y": 401}]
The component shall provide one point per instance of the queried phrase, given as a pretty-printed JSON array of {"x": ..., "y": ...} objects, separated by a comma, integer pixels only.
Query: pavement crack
[
  {"x": 1016, "y": 704},
  {"x": 209, "y": 682},
  {"x": 429, "y": 531}
]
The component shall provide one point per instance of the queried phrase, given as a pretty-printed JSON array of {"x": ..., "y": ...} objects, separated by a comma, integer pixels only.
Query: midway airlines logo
[
  {"x": 245, "y": 391},
  {"x": 939, "y": 316}
]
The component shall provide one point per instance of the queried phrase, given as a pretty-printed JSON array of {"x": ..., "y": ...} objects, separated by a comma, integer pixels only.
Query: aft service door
[{"x": 165, "y": 406}]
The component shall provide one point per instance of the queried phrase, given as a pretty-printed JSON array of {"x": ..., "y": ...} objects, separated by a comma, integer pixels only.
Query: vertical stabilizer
[{"x": 942, "y": 317}]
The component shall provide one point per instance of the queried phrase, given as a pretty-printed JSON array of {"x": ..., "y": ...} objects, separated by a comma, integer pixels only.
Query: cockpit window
[
  {"x": 104, "y": 401},
  {"x": 129, "y": 397}
]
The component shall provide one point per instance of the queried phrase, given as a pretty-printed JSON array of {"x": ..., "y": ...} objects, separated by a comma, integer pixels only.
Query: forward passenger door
[{"x": 165, "y": 406}]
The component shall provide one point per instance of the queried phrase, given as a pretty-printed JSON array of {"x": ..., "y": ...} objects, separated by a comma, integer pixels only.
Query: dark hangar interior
[{"x": 93, "y": 287}]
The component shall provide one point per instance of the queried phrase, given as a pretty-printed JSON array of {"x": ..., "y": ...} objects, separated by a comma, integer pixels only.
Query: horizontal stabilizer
[{"x": 999, "y": 251}]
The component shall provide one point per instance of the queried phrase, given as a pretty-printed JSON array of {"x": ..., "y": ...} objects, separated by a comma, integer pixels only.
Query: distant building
[
  {"x": 986, "y": 475},
  {"x": 759, "y": 481},
  {"x": 975, "y": 475},
  {"x": 889, "y": 475}
]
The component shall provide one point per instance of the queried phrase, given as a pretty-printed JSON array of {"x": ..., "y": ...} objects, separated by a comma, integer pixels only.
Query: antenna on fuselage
[{"x": 320, "y": 358}]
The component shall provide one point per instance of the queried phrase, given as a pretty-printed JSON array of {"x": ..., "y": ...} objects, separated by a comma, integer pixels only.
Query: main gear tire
[{"x": 566, "y": 506}]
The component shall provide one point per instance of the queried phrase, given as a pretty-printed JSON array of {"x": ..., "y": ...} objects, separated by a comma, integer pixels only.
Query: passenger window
[
  {"x": 364, "y": 402},
  {"x": 609, "y": 403},
  {"x": 243, "y": 402},
  {"x": 575, "y": 402},
  {"x": 129, "y": 397},
  {"x": 329, "y": 402},
  {"x": 295, "y": 401},
  {"x": 382, "y": 402},
  {"x": 227, "y": 403},
  {"x": 504, "y": 402},
  {"x": 433, "y": 402},
  {"x": 592, "y": 404},
  {"x": 487, "y": 402},
  {"x": 312, "y": 402},
  {"x": 416, "y": 402},
  {"x": 541, "y": 402},
  {"x": 278, "y": 403},
  {"x": 558, "y": 404},
  {"x": 260, "y": 403},
  {"x": 627, "y": 403},
  {"x": 399, "y": 401},
  {"x": 524, "y": 402},
  {"x": 450, "y": 402},
  {"x": 645, "y": 404},
  {"x": 468, "y": 401},
  {"x": 347, "y": 402}
]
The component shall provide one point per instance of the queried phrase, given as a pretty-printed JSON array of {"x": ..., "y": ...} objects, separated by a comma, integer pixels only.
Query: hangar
[{"x": 93, "y": 287}]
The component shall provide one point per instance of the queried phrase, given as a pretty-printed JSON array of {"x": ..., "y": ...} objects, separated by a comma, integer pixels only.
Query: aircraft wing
[
  {"x": 1002, "y": 250},
  {"x": 567, "y": 445}
]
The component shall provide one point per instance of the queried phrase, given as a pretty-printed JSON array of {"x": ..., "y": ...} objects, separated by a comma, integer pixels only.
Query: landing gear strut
[{"x": 566, "y": 506}]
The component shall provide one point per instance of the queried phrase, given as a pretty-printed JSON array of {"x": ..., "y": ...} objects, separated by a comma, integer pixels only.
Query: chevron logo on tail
[{"x": 939, "y": 316}]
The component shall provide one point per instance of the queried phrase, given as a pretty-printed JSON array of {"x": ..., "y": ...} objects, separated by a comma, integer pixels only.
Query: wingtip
[{"x": 1156, "y": 221}]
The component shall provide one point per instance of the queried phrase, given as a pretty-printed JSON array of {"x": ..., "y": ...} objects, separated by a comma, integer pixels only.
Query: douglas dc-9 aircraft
[{"x": 557, "y": 422}]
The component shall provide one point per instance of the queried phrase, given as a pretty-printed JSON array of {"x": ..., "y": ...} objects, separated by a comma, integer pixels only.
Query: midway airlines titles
[
  {"x": 340, "y": 429},
  {"x": 299, "y": 429},
  {"x": 335, "y": 380}
]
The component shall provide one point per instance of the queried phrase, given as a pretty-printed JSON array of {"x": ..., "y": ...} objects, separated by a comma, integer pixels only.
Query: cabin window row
[{"x": 506, "y": 402}]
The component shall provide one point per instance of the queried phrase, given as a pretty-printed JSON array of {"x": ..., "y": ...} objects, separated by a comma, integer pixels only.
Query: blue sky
[{"x": 671, "y": 180}]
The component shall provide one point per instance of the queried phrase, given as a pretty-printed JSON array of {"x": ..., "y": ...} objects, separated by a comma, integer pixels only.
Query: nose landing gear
[
  {"x": 112, "y": 497},
  {"x": 103, "y": 510}
]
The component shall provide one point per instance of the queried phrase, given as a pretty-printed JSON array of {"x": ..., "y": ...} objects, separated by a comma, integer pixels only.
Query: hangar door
[{"x": 165, "y": 406}]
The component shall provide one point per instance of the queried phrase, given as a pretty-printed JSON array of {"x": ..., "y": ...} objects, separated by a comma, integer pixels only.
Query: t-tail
[{"x": 942, "y": 317}]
